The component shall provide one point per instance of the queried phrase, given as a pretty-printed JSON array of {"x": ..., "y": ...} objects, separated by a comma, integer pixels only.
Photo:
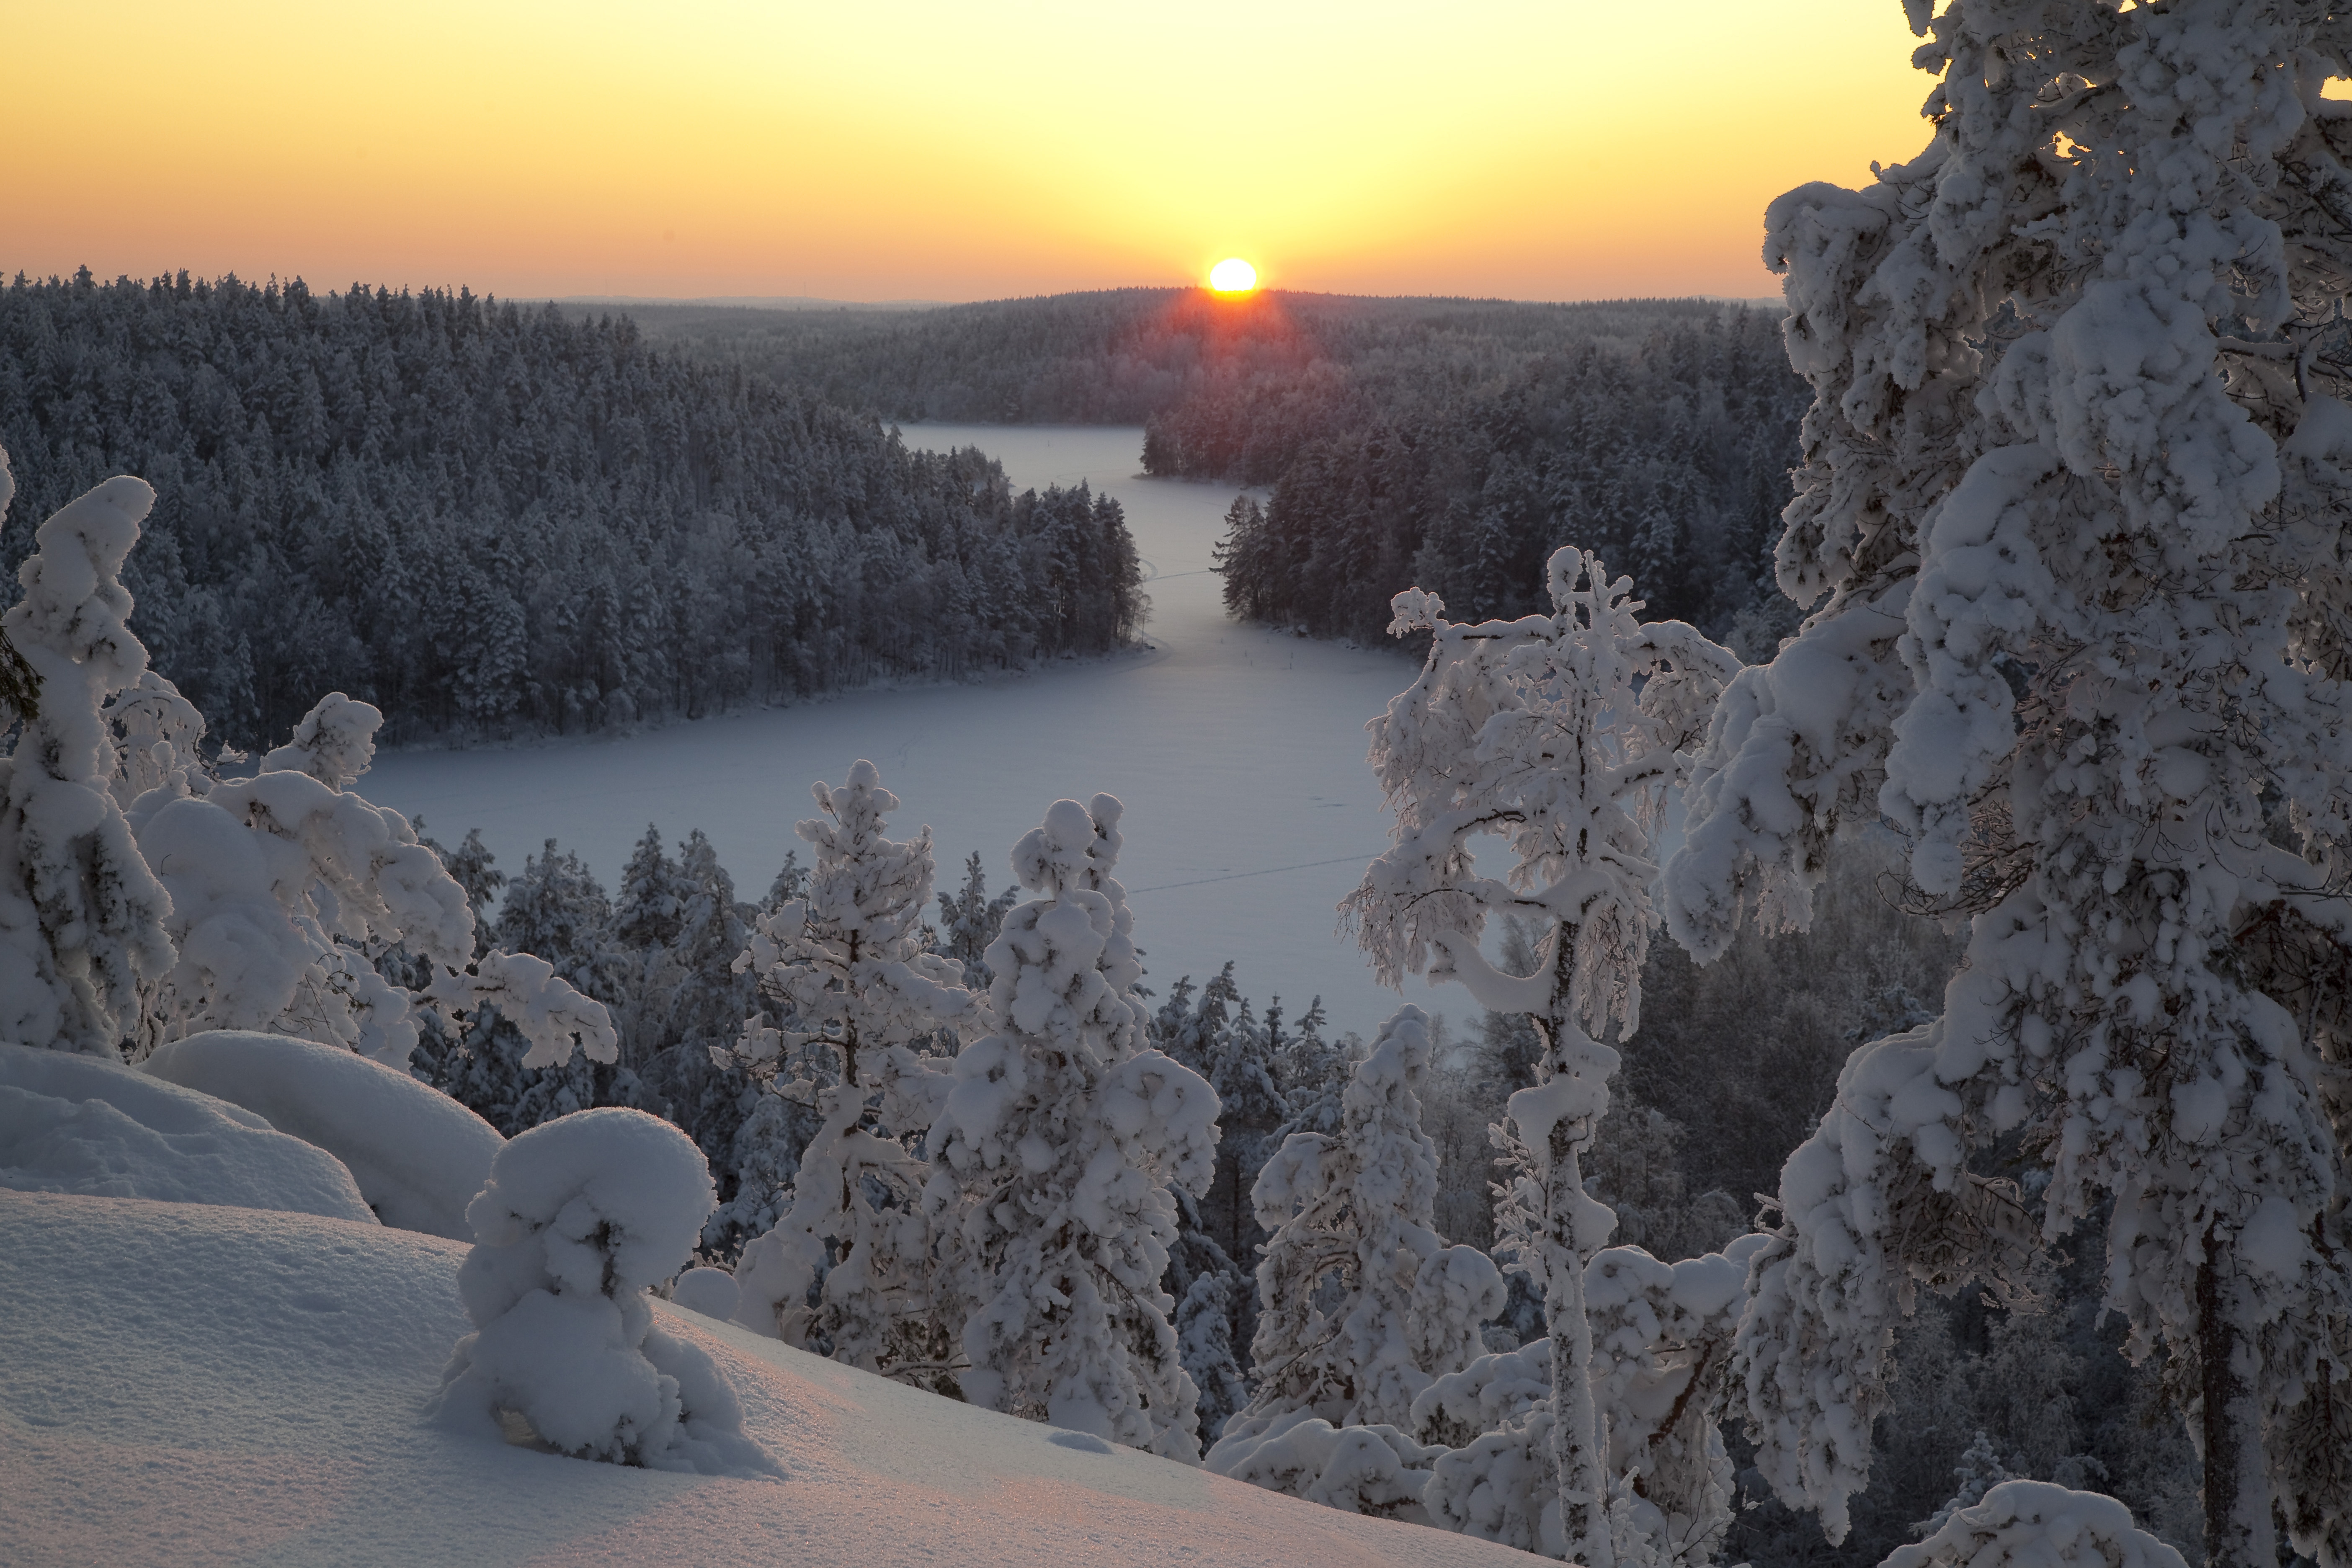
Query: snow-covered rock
[
  {"x": 82, "y": 1124},
  {"x": 418, "y": 1156}
]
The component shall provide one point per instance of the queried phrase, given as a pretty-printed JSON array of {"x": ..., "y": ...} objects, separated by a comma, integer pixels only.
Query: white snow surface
[
  {"x": 1238, "y": 751},
  {"x": 259, "y": 1397},
  {"x": 418, "y": 1156},
  {"x": 85, "y": 1125}
]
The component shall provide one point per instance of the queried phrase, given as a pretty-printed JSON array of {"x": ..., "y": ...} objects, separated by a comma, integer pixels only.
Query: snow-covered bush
[
  {"x": 2071, "y": 505},
  {"x": 1054, "y": 1159},
  {"x": 581, "y": 1216},
  {"x": 2034, "y": 1524},
  {"x": 1371, "y": 1469},
  {"x": 848, "y": 972},
  {"x": 1562, "y": 733},
  {"x": 82, "y": 916},
  {"x": 418, "y": 1156}
]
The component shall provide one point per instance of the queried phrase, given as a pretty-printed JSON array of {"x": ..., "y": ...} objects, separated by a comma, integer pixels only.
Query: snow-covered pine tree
[
  {"x": 81, "y": 916},
  {"x": 970, "y": 919},
  {"x": 1052, "y": 1161},
  {"x": 848, "y": 1265},
  {"x": 1661, "y": 1336},
  {"x": 1361, "y": 1303},
  {"x": 288, "y": 891},
  {"x": 2074, "y": 481},
  {"x": 711, "y": 997},
  {"x": 1562, "y": 733},
  {"x": 647, "y": 911}
]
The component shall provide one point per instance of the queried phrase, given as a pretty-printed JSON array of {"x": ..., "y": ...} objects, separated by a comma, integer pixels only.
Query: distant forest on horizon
[
  {"x": 1450, "y": 444},
  {"x": 497, "y": 520},
  {"x": 491, "y": 521}
]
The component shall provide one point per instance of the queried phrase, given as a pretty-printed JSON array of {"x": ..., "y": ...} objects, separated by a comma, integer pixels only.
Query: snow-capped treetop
[
  {"x": 606, "y": 1202},
  {"x": 1067, "y": 959},
  {"x": 846, "y": 961},
  {"x": 646, "y": 912},
  {"x": 270, "y": 878},
  {"x": 1563, "y": 734},
  {"x": 72, "y": 625},
  {"x": 2034, "y": 1524},
  {"x": 335, "y": 742},
  {"x": 81, "y": 916},
  {"x": 157, "y": 733}
]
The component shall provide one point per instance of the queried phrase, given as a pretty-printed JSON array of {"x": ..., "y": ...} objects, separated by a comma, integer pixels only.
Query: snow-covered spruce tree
[
  {"x": 1562, "y": 733},
  {"x": 554, "y": 910},
  {"x": 1201, "y": 1029},
  {"x": 580, "y": 1216},
  {"x": 1054, "y": 1159},
  {"x": 970, "y": 919},
  {"x": 2074, "y": 486},
  {"x": 81, "y": 916},
  {"x": 847, "y": 972},
  {"x": 1361, "y": 1303}
]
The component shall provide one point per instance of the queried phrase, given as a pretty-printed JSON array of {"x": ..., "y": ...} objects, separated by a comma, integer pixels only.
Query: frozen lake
[{"x": 1239, "y": 754}]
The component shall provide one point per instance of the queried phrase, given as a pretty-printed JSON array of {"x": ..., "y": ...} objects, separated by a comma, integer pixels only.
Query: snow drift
[
  {"x": 81, "y": 1124},
  {"x": 260, "y": 1396},
  {"x": 418, "y": 1156}
]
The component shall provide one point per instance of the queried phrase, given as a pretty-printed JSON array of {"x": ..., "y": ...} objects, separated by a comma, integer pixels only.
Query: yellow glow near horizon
[
  {"x": 1232, "y": 276},
  {"x": 1517, "y": 148}
]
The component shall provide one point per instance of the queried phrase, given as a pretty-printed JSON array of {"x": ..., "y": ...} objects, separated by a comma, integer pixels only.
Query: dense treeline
[
  {"x": 487, "y": 519},
  {"x": 1129, "y": 356},
  {"x": 1452, "y": 443},
  {"x": 1671, "y": 460}
]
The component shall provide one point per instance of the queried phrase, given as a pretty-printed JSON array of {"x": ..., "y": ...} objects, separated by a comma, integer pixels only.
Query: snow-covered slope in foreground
[{"x": 197, "y": 1384}]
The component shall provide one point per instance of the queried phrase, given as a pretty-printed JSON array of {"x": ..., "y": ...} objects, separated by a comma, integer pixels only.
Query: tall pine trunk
[
  {"x": 2239, "y": 1532},
  {"x": 1576, "y": 1440}
]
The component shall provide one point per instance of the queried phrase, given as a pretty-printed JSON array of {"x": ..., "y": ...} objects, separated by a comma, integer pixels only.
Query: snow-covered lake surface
[{"x": 1238, "y": 752}]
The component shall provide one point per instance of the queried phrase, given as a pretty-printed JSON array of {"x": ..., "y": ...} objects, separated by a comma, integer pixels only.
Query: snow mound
[
  {"x": 82, "y": 1124},
  {"x": 581, "y": 1216},
  {"x": 1373, "y": 1470},
  {"x": 258, "y": 1398},
  {"x": 2034, "y": 1524},
  {"x": 710, "y": 1292},
  {"x": 419, "y": 1156}
]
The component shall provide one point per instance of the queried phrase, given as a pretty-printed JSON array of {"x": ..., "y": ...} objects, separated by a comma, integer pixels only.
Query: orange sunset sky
[{"x": 1548, "y": 150}]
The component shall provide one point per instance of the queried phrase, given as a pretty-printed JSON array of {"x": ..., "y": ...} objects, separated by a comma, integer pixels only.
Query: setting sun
[{"x": 1232, "y": 276}]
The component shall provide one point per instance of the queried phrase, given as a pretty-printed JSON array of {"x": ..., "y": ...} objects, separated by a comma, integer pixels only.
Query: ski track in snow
[{"x": 1239, "y": 753}]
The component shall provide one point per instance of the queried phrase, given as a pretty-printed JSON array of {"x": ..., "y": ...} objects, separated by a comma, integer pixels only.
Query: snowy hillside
[{"x": 251, "y": 1388}]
